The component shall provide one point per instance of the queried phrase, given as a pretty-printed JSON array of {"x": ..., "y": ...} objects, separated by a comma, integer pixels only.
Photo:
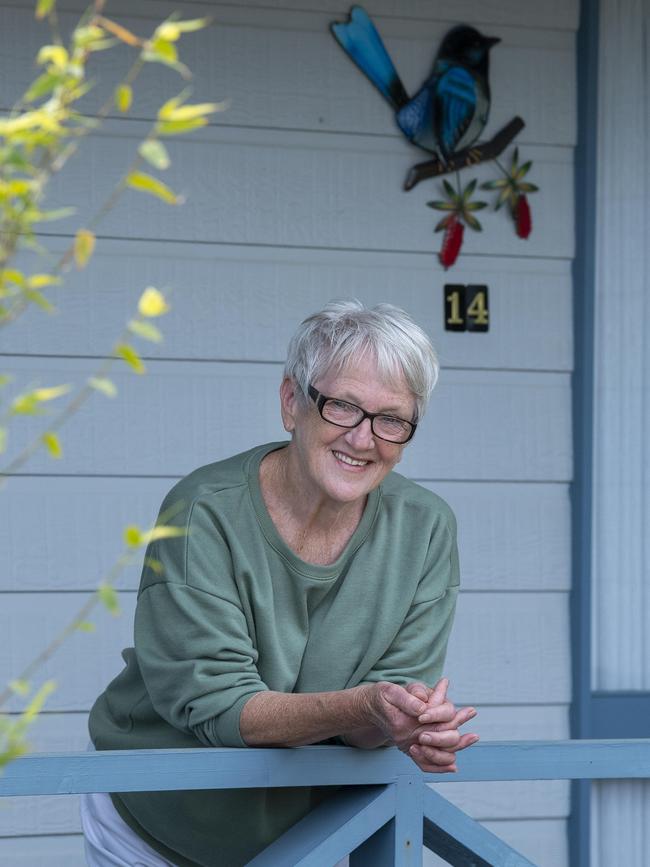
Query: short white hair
[{"x": 345, "y": 331}]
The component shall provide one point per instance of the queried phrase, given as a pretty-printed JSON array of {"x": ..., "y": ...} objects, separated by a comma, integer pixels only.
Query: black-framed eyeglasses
[{"x": 342, "y": 413}]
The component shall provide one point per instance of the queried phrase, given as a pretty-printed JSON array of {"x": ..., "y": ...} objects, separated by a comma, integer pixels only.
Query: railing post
[{"x": 399, "y": 842}]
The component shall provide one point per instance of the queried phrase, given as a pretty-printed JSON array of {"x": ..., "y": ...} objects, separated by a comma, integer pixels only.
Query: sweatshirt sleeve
[
  {"x": 193, "y": 645},
  {"x": 418, "y": 650}
]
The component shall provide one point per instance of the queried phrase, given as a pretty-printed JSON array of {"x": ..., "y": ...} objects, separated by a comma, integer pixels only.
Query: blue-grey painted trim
[
  {"x": 583, "y": 413},
  {"x": 460, "y": 840},
  {"x": 333, "y": 829},
  {"x": 620, "y": 714},
  {"x": 222, "y": 768}
]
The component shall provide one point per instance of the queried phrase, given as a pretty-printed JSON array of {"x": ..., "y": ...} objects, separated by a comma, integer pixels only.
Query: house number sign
[{"x": 466, "y": 307}]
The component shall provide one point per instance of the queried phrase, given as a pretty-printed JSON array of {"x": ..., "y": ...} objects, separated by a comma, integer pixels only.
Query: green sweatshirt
[{"x": 234, "y": 611}]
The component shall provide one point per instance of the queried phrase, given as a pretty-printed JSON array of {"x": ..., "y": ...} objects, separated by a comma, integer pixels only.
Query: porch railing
[{"x": 383, "y": 814}]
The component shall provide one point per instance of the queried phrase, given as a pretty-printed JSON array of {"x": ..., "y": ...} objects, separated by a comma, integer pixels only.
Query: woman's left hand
[{"x": 438, "y": 735}]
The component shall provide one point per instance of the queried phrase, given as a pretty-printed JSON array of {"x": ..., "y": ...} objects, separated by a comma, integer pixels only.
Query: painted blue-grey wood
[
  {"x": 249, "y": 304},
  {"x": 262, "y": 92},
  {"x": 333, "y": 829},
  {"x": 619, "y": 714},
  {"x": 234, "y": 303},
  {"x": 236, "y": 180},
  {"x": 583, "y": 380},
  {"x": 461, "y": 841},
  {"x": 525, "y": 13},
  {"x": 494, "y": 801},
  {"x": 483, "y": 425},
  {"x": 220, "y": 768}
]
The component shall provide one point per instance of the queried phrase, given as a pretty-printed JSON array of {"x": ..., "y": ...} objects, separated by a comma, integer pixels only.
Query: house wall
[{"x": 294, "y": 197}]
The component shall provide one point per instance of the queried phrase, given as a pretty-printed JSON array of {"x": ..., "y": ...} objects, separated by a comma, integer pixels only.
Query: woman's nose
[{"x": 361, "y": 436}]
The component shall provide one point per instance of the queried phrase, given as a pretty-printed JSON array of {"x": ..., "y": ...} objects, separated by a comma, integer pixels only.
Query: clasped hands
[{"x": 423, "y": 723}]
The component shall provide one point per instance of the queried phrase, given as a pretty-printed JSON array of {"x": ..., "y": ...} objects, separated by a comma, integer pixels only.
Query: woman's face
[{"x": 344, "y": 464}]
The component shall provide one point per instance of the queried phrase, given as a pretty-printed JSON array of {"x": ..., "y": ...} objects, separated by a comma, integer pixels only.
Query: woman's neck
[{"x": 315, "y": 528}]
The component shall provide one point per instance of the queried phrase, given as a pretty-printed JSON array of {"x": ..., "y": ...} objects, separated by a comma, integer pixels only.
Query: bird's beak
[{"x": 492, "y": 40}]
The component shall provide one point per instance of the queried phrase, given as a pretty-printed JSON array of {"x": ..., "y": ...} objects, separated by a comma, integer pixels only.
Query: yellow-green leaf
[
  {"x": 43, "y": 85},
  {"x": 84, "y": 244},
  {"x": 188, "y": 112},
  {"x": 162, "y": 531},
  {"x": 178, "y": 127},
  {"x": 5, "y": 379},
  {"x": 152, "y": 303},
  {"x": 42, "y": 394},
  {"x": 108, "y": 597},
  {"x": 192, "y": 24},
  {"x": 44, "y": 7},
  {"x": 155, "y": 153},
  {"x": 39, "y": 299},
  {"x": 3, "y": 439},
  {"x": 103, "y": 384},
  {"x": 148, "y": 184},
  {"x": 10, "y": 275},
  {"x": 164, "y": 49},
  {"x": 38, "y": 281},
  {"x": 55, "y": 54},
  {"x": 146, "y": 330},
  {"x": 168, "y": 31},
  {"x": 20, "y": 687},
  {"x": 155, "y": 565},
  {"x": 29, "y": 403},
  {"x": 128, "y": 353},
  {"x": 53, "y": 444},
  {"x": 132, "y": 536},
  {"x": 123, "y": 97},
  {"x": 83, "y": 36},
  {"x": 85, "y": 626},
  {"x": 36, "y": 704}
]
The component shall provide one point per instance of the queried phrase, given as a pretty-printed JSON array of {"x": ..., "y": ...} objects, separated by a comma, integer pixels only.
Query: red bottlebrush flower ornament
[
  {"x": 459, "y": 209},
  {"x": 452, "y": 241},
  {"x": 512, "y": 191},
  {"x": 523, "y": 219}
]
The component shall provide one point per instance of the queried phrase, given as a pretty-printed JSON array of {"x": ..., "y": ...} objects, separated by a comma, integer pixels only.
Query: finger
[
  {"x": 464, "y": 715},
  {"x": 433, "y": 756},
  {"x": 439, "y": 693},
  {"x": 467, "y": 740},
  {"x": 419, "y": 690},
  {"x": 444, "y": 740},
  {"x": 433, "y": 761},
  {"x": 442, "y": 713},
  {"x": 400, "y": 698}
]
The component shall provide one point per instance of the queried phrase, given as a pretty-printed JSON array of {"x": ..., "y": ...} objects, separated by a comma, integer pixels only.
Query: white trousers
[{"x": 109, "y": 841}]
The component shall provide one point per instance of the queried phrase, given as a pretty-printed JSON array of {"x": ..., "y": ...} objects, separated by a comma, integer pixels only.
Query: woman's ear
[{"x": 289, "y": 400}]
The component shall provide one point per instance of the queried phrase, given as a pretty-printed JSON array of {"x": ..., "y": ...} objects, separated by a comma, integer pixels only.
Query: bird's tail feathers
[{"x": 363, "y": 44}]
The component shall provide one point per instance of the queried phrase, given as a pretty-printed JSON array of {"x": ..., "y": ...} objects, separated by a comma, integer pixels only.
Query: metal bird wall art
[{"x": 446, "y": 118}]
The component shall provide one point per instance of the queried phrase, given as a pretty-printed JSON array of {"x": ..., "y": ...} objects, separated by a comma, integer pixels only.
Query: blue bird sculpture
[{"x": 450, "y": 110}]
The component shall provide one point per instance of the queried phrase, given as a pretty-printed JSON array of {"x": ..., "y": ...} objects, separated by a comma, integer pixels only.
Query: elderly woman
[{"x": 310, "y": 599}]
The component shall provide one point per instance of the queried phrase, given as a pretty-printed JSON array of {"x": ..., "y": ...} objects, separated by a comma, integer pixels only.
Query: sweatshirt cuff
[{"x": 223, "y": 730}]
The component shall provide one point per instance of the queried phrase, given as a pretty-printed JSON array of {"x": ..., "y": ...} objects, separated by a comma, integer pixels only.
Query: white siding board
[
  {"x": 511, "y": 536},
  {"x": 242, "y": 303},
  {"x": 505, "y": 648},
  {"x": 481, "y": 425},
  {"x": 255, "y": 59},
  {"x": 300, "y": 189},
  {"x": 43, "y": 851},
  {"x": 553, "y": 15},
  {"x": 510, "y": 648}
]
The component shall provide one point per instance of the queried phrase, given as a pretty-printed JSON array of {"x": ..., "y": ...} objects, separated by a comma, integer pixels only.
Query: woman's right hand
[{"x": 421, "y": 722}]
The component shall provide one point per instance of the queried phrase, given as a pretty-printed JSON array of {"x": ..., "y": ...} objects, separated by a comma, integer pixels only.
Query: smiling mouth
[{"x": 351, "y": 462}]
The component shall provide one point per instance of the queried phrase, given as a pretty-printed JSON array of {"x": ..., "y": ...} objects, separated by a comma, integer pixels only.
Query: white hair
[{"x": 345, "y": 331}]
